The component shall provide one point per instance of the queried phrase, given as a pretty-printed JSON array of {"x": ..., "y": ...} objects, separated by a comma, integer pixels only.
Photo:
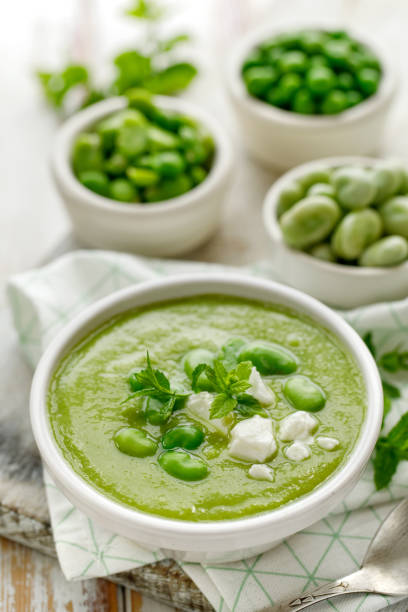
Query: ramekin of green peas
[
  {"x": 309, "y": 92},
  {"x": 339, "y": 228},
  {"x": 142, "y": 174}
]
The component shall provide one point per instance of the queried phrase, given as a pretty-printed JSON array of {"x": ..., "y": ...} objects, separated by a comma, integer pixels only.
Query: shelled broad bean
[
  {"x": 356, "y": 215},
  {"x": 312, "y": 71},
  {"x": 143, "y": 153}
]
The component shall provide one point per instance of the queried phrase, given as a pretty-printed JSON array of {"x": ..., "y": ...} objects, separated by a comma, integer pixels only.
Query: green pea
[
  {"x": 337, "y": 52},
  {"x": 142, "y": 177},
  {"x": 303, "y": 102},
  {"x": 394, "y": 213},
  {"x": 312, "y": 41},
  {"x": 169, "y": 188},
  {"x": 198, "y": 174},
  {"x": 368, "y": 79},
  {"x": 87, "y": 153},
  {"x": 121, "y": 189},
  {"x": 161, "y": 140},
  {"x": 354, "y": 187},
  {"x": 318, "y": 60},
  {"x": 154, "y": 411},
  {"x": 182, "y": 465},
  {"x": 388, "y": 178},
  {"x": 389, "y": 251},
  {"x": 131, "y": 140},
  {"x": 335, "y": 102},
  {"x": 277, "y": 96},
  {"x": 116, "y": 164},
  {"x": 188, "y": 437},
  {"x": 290, "y": 83},
  {"x": 169, "y": 163},
  {"x": 288, "y": 196},
  {"x": 268, "y": 358},
  {"x": 353, "y": 97},
  {"x": 319, "y": 175},
  {"x": 356, "y": 231},
  {"x": 345, "y": 81},
  {"x": 309, "y": 221},
  {"x": 293, "y": 61},
  {"x": 108, "y": 129},
  {"x": 192, "y": 359},
  {"x": 320, "y": 80},
  {"x": 322, "y": 189},
  {"x": 196, "y": 154},
  {"x": 141, "y": 99},
  {"x": 254, "y": 59},
  {"x": 323, "y": 251},
  {"x": 259, "y": 78},
  {"x": 134, "y": 442},
  {"x": 304, "y": 394},
  {"x": 95, "y": 181}
]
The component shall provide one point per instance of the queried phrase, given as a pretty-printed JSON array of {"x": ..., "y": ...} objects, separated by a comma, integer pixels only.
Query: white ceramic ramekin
[
  {"x": 166, "y": 228},
  {"x": 216, "y": 540},
  {"x": 339, "y": 285},
  {"x": 283, "y": 139}
]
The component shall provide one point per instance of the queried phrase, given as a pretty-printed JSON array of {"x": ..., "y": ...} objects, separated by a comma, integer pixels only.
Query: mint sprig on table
[
  {"x": 393, "y": 448},
  {"x": 230, "y": 386},
  {"x": 151, "y": 66},
  {"x": 151, "y": 382}
]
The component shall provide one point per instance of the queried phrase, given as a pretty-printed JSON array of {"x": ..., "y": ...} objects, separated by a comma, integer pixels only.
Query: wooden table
[{"x": 32, "y": 221}]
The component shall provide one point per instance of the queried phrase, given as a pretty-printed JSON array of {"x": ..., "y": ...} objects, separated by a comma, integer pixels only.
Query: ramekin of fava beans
[
  {"x": 339, "y": 229},
  {"x": 306, "y": 93},
  {"x": 142, "y": 174}
]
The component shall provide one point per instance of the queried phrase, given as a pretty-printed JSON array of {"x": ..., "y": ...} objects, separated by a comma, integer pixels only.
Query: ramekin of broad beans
[
  {"x": 307, "y": 92},
  {"x": 143, "y": 174},
  {"x": 339, "y": 228}
]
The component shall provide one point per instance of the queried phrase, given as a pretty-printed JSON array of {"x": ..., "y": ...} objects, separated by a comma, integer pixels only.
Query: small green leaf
[
  {"x": 222, "y": 405},
  {"x": 133, "y": 68},
  {"x": 394, "y": 361},
  {"x": 390, "y": 390},
  {"x": 198, "y": 370},
  {"x": 368, "y": 339},
  {"x": 220, "y": 375},
  {"x": 385, "y": 463},
  {"x": 171, "y": 80},
  {"x": 398, "y": 436},
  {"x": 239, "y": 387},
  {"x": 56, "y": 85},
  {"x": 170, "y": 43},
  {"x": 145, "y": 9},
  {"x": 248, "y": 406},
  {"x": 243, "y": 370}
]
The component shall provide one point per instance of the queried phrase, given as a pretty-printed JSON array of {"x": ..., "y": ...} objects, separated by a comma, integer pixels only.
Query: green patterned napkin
[{"x": 43, "y": 300}]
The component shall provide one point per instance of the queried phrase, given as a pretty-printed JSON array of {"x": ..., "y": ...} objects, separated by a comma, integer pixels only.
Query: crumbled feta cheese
[
  {"x": 198, "y": 407},
  {"x": 259, "y": 390},
  {"x": 261, "y": 472},
  {"x": 327, "y": 443},
  {"x": 297, "y": 451},
  {"x": 297, "y": 426},
  {"x": 252, "y": 440}
]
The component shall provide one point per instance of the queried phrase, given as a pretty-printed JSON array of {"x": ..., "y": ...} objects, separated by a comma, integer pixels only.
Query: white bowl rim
[
  {"x": 202, "y": 284},
  {"x": 269, "y": 112},
  {"x": 272, "y": 226},
  {"x": 60, "y": 159}
]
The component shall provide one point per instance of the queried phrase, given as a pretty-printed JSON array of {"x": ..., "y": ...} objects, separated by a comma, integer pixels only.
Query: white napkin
[{"x": 43, "y": 300}]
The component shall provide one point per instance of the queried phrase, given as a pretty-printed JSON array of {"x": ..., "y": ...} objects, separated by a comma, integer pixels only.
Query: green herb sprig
[
  {"x": 151, "y": 66},
  {"x": 151, "y": 382},
  {"x": 393, "y": 448},
  {"x": 230, "y": 387}
]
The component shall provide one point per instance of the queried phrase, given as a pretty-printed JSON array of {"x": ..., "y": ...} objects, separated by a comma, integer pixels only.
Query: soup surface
[{"x": 265, "y": 462}]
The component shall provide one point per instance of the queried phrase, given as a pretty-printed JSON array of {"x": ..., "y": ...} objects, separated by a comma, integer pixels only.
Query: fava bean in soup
[{"x": 207, "y": 408}]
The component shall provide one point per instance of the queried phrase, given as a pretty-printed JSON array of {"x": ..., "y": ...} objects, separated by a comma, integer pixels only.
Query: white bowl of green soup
[{"x": 209, "y": 416}]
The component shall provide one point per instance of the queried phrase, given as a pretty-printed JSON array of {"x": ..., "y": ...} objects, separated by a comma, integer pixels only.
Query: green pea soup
[{"x": 89, "y": 386}]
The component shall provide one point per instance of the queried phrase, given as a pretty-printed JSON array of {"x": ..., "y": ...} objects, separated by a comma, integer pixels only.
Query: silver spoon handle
[{"x": 354, "y": 583}]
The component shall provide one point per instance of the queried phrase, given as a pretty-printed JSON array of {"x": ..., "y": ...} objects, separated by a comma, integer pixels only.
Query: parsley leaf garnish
[
  {"x": 151, "y": 382},
  {"x": 390, "y": 450},
  {"x": 230, "y": 386}
]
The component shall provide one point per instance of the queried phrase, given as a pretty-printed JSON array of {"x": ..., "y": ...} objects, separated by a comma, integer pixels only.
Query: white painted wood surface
[{"x": 32, "y": 221}]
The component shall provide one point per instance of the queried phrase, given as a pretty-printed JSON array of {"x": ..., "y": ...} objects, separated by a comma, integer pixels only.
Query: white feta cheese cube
[
  {"x": 327, "y": 443},
  {"x": 259, "y": 390},
  {"x": 252, "y": 440},
  {"x": 261, "y": 472},
  {"x": 198, "y": 407},
  {"x": 297, "y": 451},
  {"x": 297, "y": 426}
]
